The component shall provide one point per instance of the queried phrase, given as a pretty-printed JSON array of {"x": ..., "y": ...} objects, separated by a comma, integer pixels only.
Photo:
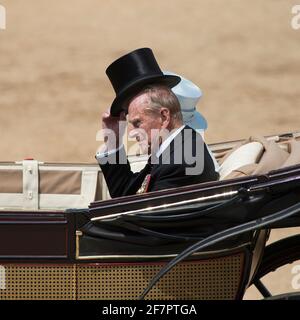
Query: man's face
[{"x": 142, "y": 122}]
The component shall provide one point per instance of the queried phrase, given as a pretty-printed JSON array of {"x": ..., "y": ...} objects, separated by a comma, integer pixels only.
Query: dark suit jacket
[{"x": 165, "y": 172}]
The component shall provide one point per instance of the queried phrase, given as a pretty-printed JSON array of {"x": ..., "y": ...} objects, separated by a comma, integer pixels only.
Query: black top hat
[{"x": 130, "y": 73}]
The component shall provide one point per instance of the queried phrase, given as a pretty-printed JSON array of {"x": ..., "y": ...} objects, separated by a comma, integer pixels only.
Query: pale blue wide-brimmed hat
[{"x": 188, "y": 95}]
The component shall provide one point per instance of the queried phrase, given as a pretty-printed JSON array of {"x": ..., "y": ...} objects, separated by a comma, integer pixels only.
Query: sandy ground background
[{"x": 53, "y": 55}]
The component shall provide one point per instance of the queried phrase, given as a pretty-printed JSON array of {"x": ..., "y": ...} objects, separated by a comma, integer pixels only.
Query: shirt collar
[{"x": 167, "y": 141}]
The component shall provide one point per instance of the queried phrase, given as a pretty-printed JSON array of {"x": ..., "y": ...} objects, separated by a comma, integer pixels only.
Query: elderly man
[{"x": 179, "y": 156}]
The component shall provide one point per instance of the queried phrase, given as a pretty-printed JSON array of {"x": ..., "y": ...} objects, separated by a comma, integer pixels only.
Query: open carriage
[{"x": 61, "y": 237}]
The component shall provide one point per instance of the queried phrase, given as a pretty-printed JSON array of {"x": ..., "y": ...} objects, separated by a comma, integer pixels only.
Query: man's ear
[{"x": 165, "y": 117}]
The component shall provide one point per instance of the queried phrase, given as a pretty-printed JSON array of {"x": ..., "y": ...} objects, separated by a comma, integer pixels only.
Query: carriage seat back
[
  {"x": 246, "y": 154},
  {"x": 256, "y": 156}
]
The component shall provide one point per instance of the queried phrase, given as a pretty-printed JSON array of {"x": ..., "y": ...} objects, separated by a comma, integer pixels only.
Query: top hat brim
[{"x": 134, "y": 87}]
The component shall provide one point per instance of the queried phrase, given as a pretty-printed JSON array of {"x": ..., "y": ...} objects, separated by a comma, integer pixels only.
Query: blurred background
[{"x": 53, "y": 55}]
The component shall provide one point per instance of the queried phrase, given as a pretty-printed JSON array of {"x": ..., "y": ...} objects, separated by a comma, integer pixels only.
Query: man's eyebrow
[{"x": 134, "y": 120}]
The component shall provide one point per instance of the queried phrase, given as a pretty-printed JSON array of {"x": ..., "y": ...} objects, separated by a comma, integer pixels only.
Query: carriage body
[{"x": 53, "y": 247}]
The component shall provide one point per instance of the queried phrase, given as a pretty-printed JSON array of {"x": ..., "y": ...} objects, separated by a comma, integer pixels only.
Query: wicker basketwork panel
[
  {"x": 38, "y": 282},
  {"x": 209, "y": 279},
  {"x": 217, "y": 278}
]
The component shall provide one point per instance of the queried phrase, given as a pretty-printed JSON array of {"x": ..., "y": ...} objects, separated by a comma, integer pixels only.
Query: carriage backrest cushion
[
  {"x": 246, "y": 154},
  {"x": 272, "y": 157},
  {"x": 293, "y": 148}
]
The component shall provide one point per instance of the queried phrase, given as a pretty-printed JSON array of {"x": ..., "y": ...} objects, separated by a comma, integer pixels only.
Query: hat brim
[{"x": 133, "y": 88}]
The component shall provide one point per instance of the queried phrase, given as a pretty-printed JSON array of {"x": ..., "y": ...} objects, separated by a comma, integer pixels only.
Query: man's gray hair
[{"x": 162, "y": 96}]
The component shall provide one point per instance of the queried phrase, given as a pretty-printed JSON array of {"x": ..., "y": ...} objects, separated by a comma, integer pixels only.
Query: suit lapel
[{"x": 176, "y": 145}]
